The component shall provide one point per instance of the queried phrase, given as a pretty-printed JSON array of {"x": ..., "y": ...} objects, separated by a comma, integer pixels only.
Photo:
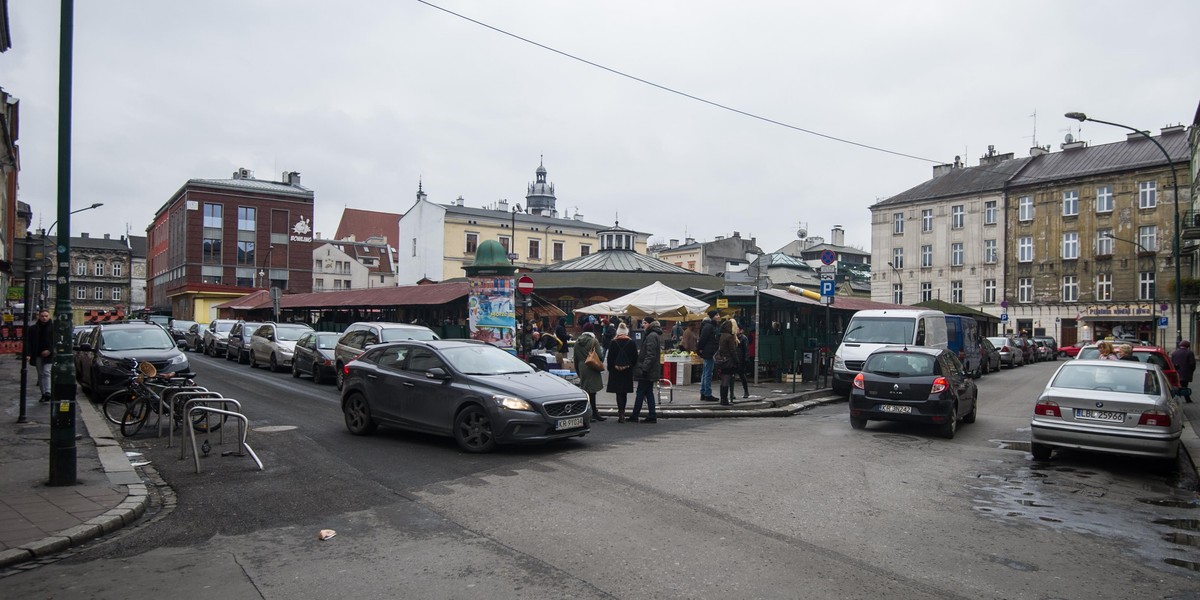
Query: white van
[{"x": 870, "y": 330}]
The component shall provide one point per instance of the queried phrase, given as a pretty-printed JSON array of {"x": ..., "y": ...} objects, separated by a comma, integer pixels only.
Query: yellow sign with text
[{"x": 722, "y": 303}]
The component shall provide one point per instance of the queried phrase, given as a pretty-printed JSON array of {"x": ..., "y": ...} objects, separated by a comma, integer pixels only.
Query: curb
[
  {"x": 774, "y": 407},
  {"x": 119, "y": 471}
]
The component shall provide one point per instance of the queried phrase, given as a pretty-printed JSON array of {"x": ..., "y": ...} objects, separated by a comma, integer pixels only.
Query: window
[
  {"x": 956, "y": 292},
  {"x": 413, "y": 248},
  {"x": 210, "y": 251},
  {"x": 558, "y": 251},
  {"x": 990, "y": 252},
  {"x": 337, "y": 284},
  {"x": 897, "y": 293},
  {"x": 926, "y": 291},
  {"x": 927, "y": 256},
  {"x": 116, "y": 269},
  {"x": 898, "y": 222},
  {"x": 116, "y": 294},
  {"x": 1070, "y": 245},
  {"x": 212, "y": 215},
  {"x": 245, "y": 254},
  {"x": 1070, "y": 288},
  {"x": 989, "y": 291},
  {"x": 505, "y": 242},
  {"x": 98, "y": 269},
  {"x": 990, "y": 211},
  {"x": 1146, "y": 285},
  {"x": 99, "y": 293},
  {"x": 1104, "y": 243},
  {"x": 535, "y": 249},
  {"x": 1104, "y": 199},
  {"x": 927, "y": 219},
  {"x": 1147, "y": 194},
  {"x": 1104, "y": 286},
  {"x": 1025, "y": 208},
  {"x": 1148, "y": 237},
  {"x": 898, "y": 258},
  {"x": 1025, "y": 290},
  {"x": 957, "y": 216},
  {"x": 81, "y": 293},
  {"x": 1070, "y": 203},
  {"x": 81, "y": 268},
  {"x": 472, "y": 242},
  {"x": 956, "y": 254},
  {"x": 585, "y": 249},
  {"x": 1025, "y": 249},
  {"x": 247, "y": 218}
]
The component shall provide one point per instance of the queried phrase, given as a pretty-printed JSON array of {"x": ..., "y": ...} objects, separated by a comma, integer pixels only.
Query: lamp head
[
  {"x": 1078, "y": 116},
  {"x": 96, "y": 205}
]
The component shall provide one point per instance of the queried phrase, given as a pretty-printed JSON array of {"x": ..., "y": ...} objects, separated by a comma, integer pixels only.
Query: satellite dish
[
  {"x": 1070, "y": 138},
  {"x": 802, "y": 233}
]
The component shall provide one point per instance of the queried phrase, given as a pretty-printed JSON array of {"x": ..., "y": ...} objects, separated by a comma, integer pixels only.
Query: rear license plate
[
  {"x": 1099, "y": 415},
  {"x": 892, "y": 408},
  {"x": 568, "y": 423}
]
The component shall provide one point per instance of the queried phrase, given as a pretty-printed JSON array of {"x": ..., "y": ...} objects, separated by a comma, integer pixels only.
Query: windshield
[
  {"x": 900, "y": 364},
  {"x": 1102, "y": 377},
  {"x": 399, "y": 334},
  {"x": 182, "y": 325},
  {"x": 142, "y": 338},
  {"x": 224, "y": 327},
  {"x": 482, "y": 359},
  {"x": 327, "y": 341},
  {"x": 881, "y": 330},
  {"x": 290, "y": 333}
]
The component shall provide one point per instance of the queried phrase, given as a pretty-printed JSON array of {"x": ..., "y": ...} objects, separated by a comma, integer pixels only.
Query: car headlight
[
  {"x": 838, "y": 363},
  {"x": 512, "y": 402},
  {"x": 177, "y": 360}
]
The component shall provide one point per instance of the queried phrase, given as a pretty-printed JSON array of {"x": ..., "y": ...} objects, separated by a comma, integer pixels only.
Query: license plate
[
  {"x": 568, "y": 423},
  {"x": 892, "y": 408},
  {"x": 1099, "y": 415}
]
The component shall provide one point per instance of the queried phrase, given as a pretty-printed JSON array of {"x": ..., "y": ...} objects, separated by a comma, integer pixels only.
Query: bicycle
[
  {"x": 115, "y": 405},
  {"x": 142, "y": 399}
]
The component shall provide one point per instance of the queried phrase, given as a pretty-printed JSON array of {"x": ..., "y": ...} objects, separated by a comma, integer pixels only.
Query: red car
[{"x": 1070, "y": 351}]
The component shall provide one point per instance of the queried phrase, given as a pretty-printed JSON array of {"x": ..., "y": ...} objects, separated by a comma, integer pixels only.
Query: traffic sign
[
  {"x": 826, "y": 288},
  {"x": 828, "y": 276},
  {"x": 525, "y": 285},
  {"x": 828, "y": 257},
  {"x": 1003, "y": 317},
  {"x": 832, "y": 269},
  {"x": 1162, "y": 322}
]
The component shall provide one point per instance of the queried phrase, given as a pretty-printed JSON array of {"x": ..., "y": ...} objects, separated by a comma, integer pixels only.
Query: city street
[{"x": 799, "y": 507}]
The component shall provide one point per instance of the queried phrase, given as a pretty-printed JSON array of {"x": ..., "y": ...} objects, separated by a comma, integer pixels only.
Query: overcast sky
[{"x": 367, "y": 97}]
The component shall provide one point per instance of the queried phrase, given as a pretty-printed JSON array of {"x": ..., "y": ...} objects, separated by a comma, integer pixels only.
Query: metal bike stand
[
  {"x": 161, "y": 395},
  {"x": 191, "y": 391},
  {"x": 670, "y": 391},
  {"x": 191, "y": 404},
  {"x": 243, "y": 423}
]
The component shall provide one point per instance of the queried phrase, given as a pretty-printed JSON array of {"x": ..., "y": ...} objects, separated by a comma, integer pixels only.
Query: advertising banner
[{"x": 490, "y": 307}]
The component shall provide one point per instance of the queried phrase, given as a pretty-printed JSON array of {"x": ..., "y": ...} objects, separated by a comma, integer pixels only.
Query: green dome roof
[{"x": 490, "y": 258}]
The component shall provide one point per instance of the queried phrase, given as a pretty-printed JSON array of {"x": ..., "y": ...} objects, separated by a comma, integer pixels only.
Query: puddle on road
[
  {"x": 1184, "y": 524},
  {"x": 1186, "y": 564},
  {"x": 1171, "y": 502},
  {"x": 1183, "y": 539}
]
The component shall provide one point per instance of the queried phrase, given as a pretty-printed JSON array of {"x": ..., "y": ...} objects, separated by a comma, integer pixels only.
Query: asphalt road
[{"x": 800, "y": 507}]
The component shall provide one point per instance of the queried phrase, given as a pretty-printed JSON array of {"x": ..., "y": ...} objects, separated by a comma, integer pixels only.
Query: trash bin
[{"x": 810, "y": 365}]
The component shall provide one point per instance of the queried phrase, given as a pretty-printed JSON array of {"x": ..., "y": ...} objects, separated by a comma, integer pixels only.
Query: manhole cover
[{"x": 274, "y": 428}]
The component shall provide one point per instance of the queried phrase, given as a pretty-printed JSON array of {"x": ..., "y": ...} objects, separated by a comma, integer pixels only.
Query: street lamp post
[
  {"x": 519, "y": 328},
  {"x": 43, "y": 296},
  {"x": 1081, "y": 117}
]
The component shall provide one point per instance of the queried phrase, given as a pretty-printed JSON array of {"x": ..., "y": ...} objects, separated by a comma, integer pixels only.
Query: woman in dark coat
[
  {"x": 590, "y": 380},
  {"x": 727, "y": 347},
  {"x": 622, "y": 357},
  {"x": 648, "y": 370}
]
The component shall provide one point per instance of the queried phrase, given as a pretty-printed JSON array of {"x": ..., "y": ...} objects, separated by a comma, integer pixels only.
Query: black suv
[
  {"x": 238, "y": 342},
  {"x": 101, "y": 355}
]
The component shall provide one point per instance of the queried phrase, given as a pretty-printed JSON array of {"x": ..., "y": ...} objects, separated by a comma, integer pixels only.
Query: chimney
[
  {"x": 1173, "y": 129},
  {"x": 578, "y": 216},
  {"x": 1069, "y": 143},
  {"x": 838, "y": 236},
  {"x": 84, "y": 235},
  {"x": 720, "y": 237},
  {"x": 991, "y": 158},
  {"x": 1039, "y": 150},
  {"x": 243, "y": 173},
  {"x": 291, "y": 177},
  {"x": 673, "y": 243},
  {"x": 1134, "y": 136},
  {"x": 689, "y": 240},
  {"x": 106, "y": 236},
  {"x": 737, "y": 235},
  {"x": 502, "y": 205},
  {"x": 459, "y": 201},
  {"x": 939, "y": 170}
]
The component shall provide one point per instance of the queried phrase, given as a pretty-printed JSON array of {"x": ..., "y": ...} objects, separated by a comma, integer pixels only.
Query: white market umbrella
[{"x": 656, "y": 300}]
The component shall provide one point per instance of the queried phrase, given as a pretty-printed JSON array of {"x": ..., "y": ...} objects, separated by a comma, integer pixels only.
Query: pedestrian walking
[
  {"x": 730, "y": 361},
  {"x": 1185, "y": 364},
  {"x": 621, "y": 360},
  {"x": 710, "y": 334},
  {"x": 39, "y": 347},
  {"x": 590, "y": 380},
  {"x": 648, "y": 370},
  {"x": 746, "y": 356}
]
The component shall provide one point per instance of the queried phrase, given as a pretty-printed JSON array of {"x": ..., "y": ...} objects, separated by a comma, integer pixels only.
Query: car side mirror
[
  {"x": 437, "y": 373},
  {"x": 86, "y": 347}
]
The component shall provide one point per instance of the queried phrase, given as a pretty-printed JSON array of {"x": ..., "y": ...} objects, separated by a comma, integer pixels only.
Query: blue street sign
[
  {"x": 826, "y": 288},
  {"x": 1003, "y": 317},
  {"x": 828, "y": 257},
  {"x": 1162, "y": 322}
]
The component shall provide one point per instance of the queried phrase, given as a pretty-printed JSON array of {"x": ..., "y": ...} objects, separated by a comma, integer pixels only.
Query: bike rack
[
  {"x": 188, "y": 405},
  {"x": 243, "y": 423},
  {"x": 665, "y": 384},
  {"x": 168, "y": 395}
]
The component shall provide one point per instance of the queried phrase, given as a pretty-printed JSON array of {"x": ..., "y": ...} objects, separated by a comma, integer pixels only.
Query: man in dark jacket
[
  {"x": 1185, "y": 365},
  {"x": 648, "y": 370},
  {"x": 39, "y": 347},
  {"x": 710, "y": 335}
]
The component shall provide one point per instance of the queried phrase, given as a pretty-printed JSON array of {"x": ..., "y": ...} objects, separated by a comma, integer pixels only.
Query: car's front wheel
[
  {"x": 339, "y": 377},
  {"x": 358, "y": 415},
  {"x": 253, "y": 361},
  {"x": 295, "y": 371},
  {"x": 473, "y": 430}
]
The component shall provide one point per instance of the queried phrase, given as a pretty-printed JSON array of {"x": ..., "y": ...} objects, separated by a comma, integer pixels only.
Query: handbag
[
  {"x": 719, "y": 359},
  {"x": 593, "y": 361}
]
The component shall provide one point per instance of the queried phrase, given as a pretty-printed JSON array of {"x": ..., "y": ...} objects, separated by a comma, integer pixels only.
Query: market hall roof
[
  {"x": 426, "y": 295},
  {"x": 617, "y": 266}
]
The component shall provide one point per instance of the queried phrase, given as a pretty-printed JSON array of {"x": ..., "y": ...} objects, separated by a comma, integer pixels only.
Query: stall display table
[{"x": 678, "y": 369}]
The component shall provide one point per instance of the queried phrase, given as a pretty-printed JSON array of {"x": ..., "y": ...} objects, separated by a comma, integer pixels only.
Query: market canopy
[{"x": 656, "y": 300}]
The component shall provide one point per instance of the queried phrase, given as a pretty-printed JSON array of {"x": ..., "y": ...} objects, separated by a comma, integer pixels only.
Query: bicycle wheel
[
  {"x": 135, "y": 416},
  {"x": 115, "y": 404},
  {"x": 204, "y": 422}
]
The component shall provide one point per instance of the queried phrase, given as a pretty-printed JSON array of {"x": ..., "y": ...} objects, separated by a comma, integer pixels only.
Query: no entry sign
[{"x": 525, "y": 285}]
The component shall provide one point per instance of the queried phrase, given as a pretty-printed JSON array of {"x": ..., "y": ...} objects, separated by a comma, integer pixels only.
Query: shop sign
[
  {"x": 301, "y": 231},
  {"x": 1119, "y": 310}
]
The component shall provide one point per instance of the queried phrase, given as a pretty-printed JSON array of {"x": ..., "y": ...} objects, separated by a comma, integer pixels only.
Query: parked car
[
  {"x": 358, "y": 336},
  {"x": 1044, "y": 352},
  {"x": 178, "y": 329},
  {"x": 991, "y": 355},
  {"x": 479, "y": 394},
  {"x": 1070, "y": 351},
  {"x": 1118, "y": 406},
  {"x": 81, "y": 329},
  {"x": 1146, "y": 354},
  {"x": 1027, "y": 349},
  {"x": 1010, "y": 352},
  {"x": 275, "y": 343},
  {"x": 102, "y": 355},
  {"x": 216, "y": 336},
  {"x": 1051, "y": 343},
  {"x": 194, "y": 338},
  {"x": 237, "y": 343},
  {"x": 913, "y": 384},
  {"x": 314, "y": 356}
]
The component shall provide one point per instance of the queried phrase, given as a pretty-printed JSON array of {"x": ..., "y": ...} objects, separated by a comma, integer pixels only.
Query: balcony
[{"x": 1189, "y": 226}]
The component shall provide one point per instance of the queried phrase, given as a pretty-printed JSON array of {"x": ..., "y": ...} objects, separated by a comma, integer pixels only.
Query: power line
[{"x": 678, "y": 92}]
